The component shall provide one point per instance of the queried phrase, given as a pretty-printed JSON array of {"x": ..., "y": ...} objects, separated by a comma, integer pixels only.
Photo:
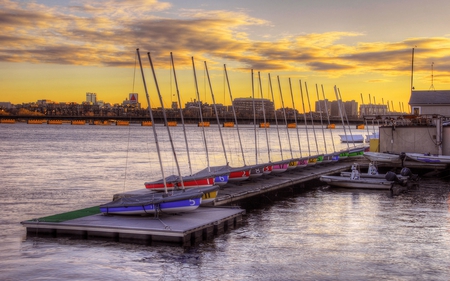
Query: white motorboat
[
  {"x": 356, "y": 181},
  {"x": 383, "y": 157},
  {"x": 429, "y": 158}
]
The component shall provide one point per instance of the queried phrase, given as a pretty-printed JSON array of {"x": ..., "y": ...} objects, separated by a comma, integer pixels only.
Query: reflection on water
[{"x": 316, "y": 234}]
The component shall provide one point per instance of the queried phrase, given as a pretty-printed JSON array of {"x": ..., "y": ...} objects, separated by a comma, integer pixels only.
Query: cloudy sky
[{"x": 59, "y": 50}]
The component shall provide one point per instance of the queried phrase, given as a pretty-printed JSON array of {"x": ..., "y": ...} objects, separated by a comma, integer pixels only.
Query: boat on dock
[
  {"x": 429, "y": 158},
  {"x": 153, "y": 203},
  {"x": 382, "y": 157}
]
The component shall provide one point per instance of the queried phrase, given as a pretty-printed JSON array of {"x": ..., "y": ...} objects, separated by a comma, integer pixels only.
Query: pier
[{"x": 185, "y": 229}]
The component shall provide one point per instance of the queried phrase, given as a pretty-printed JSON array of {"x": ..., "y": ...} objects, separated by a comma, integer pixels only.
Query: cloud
[{"x": 108, "y": 32}]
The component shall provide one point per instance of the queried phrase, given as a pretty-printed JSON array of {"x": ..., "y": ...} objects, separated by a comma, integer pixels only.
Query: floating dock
[{"x": 184, "y": 229}]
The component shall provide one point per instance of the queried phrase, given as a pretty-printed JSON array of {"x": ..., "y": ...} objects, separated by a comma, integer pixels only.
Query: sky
[{"x": 60, "y": 50}]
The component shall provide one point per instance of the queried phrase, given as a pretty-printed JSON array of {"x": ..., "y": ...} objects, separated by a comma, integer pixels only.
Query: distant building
[
  {"x": 91, "y": 98},
  {"x": 430, "y": 102},
  {"x": 372, "y": 109},
  {"x": 322, "y": 106},
  {"x": 245, "y": 106},
  {"x": 132, "y": 101},
  {"x": 350, "y": 108}
]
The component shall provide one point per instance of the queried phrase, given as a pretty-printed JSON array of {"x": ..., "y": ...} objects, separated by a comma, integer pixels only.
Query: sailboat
[
  {"x": 312, "y": 160},
  {"x": 185, "y": 181},
  {"x": 234, "y": 174},
  {"x": 155, "y": 203},
  {"x": 293, "y": 163},
  {"x": 220, "y": 177},
  {"x": 301, "y": 161},
  {"x": 279, "y": 166},
  {"x": 336, "y": 155},
  {"x": 320, "y": 156}
]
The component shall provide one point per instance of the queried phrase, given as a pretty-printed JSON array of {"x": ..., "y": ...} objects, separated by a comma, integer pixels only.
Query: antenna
[{"x": 432, "y": 78}]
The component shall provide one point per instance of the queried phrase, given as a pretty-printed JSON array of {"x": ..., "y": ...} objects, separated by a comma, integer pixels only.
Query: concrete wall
[{"x": 410, "y": 139}]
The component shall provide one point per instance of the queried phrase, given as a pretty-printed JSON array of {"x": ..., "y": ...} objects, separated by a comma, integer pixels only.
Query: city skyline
[{"x": 58, "y": 49}]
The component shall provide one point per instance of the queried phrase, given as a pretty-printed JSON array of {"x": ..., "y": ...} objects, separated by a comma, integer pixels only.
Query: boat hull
[
  {"x": 359, "y": 184},
  {"x": 426, "y": 158}
]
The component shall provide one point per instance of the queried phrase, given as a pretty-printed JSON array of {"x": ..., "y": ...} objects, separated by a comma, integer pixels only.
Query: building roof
[{"x": 430, "y": 97}]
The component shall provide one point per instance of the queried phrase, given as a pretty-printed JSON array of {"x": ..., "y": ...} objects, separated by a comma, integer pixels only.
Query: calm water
[{"x": 318, "y": 234}]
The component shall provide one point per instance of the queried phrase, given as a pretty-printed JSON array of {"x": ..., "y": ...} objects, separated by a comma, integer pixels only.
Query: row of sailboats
[{"x": 177, "y": 193}]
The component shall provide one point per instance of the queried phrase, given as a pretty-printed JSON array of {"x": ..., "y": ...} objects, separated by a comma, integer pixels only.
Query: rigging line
[{"x": 126, "y": 158}]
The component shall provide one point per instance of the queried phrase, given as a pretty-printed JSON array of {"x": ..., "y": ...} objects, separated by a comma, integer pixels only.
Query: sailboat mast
[
  {"x": 304, "y": 117},
  {"x": 264, "y": 115},
  {"x": 217, "y": 115},
  {"x": 321, "y": 121},
  {"x": 181, "y": 114},
  {"x": 254, "y": 118},
  {"x": 285, "y": 118},
  {"x": 346, "y": 118},
  {"x": 340, "y": 112},
  {"x": 234, "y": 114},
  {"x": 153, "y": 121},
  {"x": 328, "y": 117},
  {"x": 295, "y": 117},
  {"x": 165, "y": 119},
  {"x": 276, "y": 121},
  {"x": 201, "y": 116},
  {"x": 311, "y": 116}
]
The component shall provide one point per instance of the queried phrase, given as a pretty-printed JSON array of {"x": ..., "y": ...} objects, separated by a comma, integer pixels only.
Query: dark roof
[{"x": 430, "y": 97}]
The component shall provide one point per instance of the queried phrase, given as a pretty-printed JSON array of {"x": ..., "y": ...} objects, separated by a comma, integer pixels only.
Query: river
[{"x": 318, "y": 233}]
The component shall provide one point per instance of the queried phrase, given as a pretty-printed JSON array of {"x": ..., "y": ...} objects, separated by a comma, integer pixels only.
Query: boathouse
[{"x": 430, "y": 102}]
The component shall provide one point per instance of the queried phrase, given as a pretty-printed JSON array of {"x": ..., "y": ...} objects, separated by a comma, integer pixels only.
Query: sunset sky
[{"x": 59, "y": 50}]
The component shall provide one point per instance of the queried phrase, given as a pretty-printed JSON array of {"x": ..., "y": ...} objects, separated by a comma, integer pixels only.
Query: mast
[
  {"x": 321, "y": 121},
  {"x": 254, "y": 119},
  {"x": 295, "y": 117},
  {"x": 328, "y": 117},
  {"x": 340, "y": 112},
  {"x": 264, "y": 115},
  {"x": 311, "y": 116},
  {"x": 181, "y": 114},
  {"x": 217, "y": 115},
  {"x": 276, "y": 121},
  {"x": 153, "y": 121},
  {"x": 201, "y": 116},
  {"x": 285, "y": 118},
  {"x": 304, "y": 117},
  {"x": 346, "y": 118},
  {"x": 234, "y": 114},
  {"x": 412, "y": 69},
  {"x": 165, "y": 120}
]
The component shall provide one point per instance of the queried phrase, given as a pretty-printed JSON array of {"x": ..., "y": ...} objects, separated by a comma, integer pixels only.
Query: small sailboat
[{"x": 155, "y": 203}]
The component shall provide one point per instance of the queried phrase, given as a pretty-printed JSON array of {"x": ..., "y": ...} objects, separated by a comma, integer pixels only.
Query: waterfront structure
[
  {"x": 430, "y": 102},
  {"x": 372, "y": 109}
]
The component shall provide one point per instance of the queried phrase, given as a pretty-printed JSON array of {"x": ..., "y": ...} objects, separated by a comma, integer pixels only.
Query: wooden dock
[{"x": 185, "y": 229}]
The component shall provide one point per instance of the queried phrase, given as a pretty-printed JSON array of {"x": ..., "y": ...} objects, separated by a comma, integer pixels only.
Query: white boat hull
[
  {"x": 425, "y": 158},
  {"x": 383, "y": 157},
  {"x": 360, "y": 183}
]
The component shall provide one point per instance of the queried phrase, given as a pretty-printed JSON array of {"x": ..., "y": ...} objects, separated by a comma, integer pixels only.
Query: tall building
[
  {"x": 245, "y": 106},
  {"x": 350, "y": 108},
  {"x": 91, "y": 98},
  {"x": 323, "y": 106}
]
